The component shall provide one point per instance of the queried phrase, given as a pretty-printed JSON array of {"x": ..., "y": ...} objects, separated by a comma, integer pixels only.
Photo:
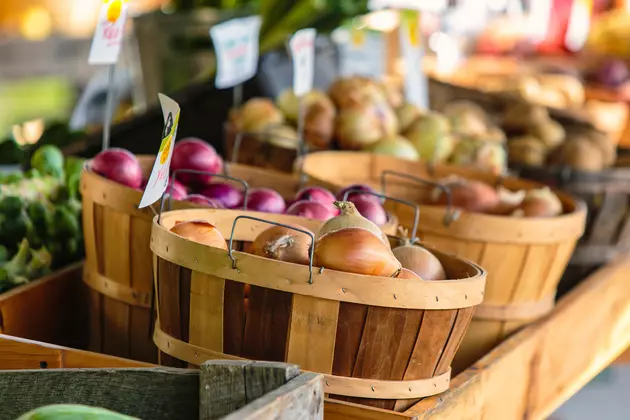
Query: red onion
[
  {"x": 316, "y": 194},
  {"x": 178, "y": 191},
  {"x": 119, "y": 165},
  {"x": 195, "y": 154},
  {"x": 203, "y": 201},
  {"x": 370, "y": 209},
  {"x": 227, "y": 194},
  {"x": 361, "y": 187},
  {"x": 312, "y": 210},
  {"x": 265, "y": 200}
]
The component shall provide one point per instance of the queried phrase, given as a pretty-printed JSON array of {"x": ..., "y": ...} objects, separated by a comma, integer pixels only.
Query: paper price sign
[
  {"x": 236, "y": 47},
  {"x": 302, "y": 46},
  {"x": 361, "y": 53},
  {"x": 158, "y": 180},
  {"x": 416, "y": 86},
  {"x": 109, "y": 32}
]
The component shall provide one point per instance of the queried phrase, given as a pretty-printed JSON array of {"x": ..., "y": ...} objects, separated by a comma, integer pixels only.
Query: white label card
[
  {"x": 109, "y": 32},
  {"x": 158, "y": 180},
  {"x": 236, "y": 46},
  {"x": 302, "y": 46},
  {"x": 416, "y": 84},
  {"x": 361, "y": 52}
]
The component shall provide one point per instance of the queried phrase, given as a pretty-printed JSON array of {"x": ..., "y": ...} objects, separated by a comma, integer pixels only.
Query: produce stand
[
  {"x": 527, "y": 376},
  {"x": 538, "y": 369}
]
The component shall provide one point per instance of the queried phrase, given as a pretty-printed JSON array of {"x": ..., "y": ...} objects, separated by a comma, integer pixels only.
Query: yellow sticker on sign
[
  {"x": 410, "y": 20},
  {"x": 167, "y": 142},
  {"x": 357, "y": 36}
]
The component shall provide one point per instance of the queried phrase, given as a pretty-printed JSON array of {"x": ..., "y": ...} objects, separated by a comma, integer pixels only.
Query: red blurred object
[{"x": 557, "y": 29}]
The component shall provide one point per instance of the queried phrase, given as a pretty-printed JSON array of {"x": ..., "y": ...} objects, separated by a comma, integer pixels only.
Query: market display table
[
  {"x": 526, "y": 377},
  {"x": 538, "y": 369}
]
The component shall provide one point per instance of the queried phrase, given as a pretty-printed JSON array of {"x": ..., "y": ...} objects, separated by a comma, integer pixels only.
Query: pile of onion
[
  {"x": 119, "y": 165},
  {"x": 195, "y": 154},
  {"x": 351, "y": 243},
  {"x": 200, "y": 231}
]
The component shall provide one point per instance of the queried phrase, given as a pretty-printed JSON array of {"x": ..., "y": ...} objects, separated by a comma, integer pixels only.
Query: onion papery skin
[
  {"x": 283, "y": 244},
  {"x": 355, "y": 250},
  {"x": 469, "y": 195},
  {"x": 202, "y": 232},
  {"x": 420, "y": 261},
  {"x": 350, "y": 218},
  {"x": 407, "y": 274}
]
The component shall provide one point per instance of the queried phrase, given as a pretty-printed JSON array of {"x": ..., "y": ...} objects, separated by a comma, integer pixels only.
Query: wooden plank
[
  {"x": 227, "y": 385},
  {"x": 141, "y": 346},
  {"x": 350, "y": 324},
  {"x": 233, "y": 317},
  {"x": 116, "y": 266},
  {"x": 169, "y": 305},
  {"x": 540, "y": 371},
  {"x": 48, "y": 309},
  {"x": 206, "y": 311},
  {"x": 146, "y": 393},
  {"x": 266, "y": 324},
  {"x": 312, "y": 318},
  {"x": 300, "y": 399}
]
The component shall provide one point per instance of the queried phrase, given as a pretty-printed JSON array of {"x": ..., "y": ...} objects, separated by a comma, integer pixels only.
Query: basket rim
[
  {"x": 326, "y": 284},
  {"x": 469, "y": 226}
]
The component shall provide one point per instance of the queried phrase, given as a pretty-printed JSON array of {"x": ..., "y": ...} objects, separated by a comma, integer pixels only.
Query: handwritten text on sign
[
  {"x": 302, "y": 45},
  {"x": 236, "y": 47},
  {"x": 158, "y": 180},
  {"x": 109, "y": 32}
]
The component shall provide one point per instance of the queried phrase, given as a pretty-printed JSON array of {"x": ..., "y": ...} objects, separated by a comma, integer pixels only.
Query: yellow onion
[
  {"x": 361, "y": 126},
  {"x": 356, "y": 91},
  {"x": 200, "y": 231},
  {"x": 255, "y": 115},
  {"x": 420, "y": 261},
  {"x": 508, "y": 201},
  {"x": 282, "y": 135},
  {"x": 289, "y": 104},
  {"x": 407, "y": 274},
  {"x": 283, "y": 244},
  {"x": 355, "y": 250},
  {"x": 407, "y": 113},
  {"x": 319, "y": 125},
  {"x": 397, "y": 146},
  {"x": 430, "y": 134},
  {"x": 393, "y": 92},
  {"x": 349, "y": 217},
  {"x": 539, "y": 203}
]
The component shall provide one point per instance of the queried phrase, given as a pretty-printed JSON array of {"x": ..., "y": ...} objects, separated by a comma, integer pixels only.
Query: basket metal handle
[
  {"x": 415, "y": 207},
  {"x": 257, "y": 219},
  {"x": 451, "y": 212},
  {"x": 197, "y": 172}
]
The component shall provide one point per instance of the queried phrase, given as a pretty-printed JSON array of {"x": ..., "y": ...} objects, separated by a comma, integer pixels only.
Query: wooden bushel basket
[
  {"x": 524, "y": 257},
  {"x": 118, "y": 269},
  {"x": 376, "y": 339},
  {"x": 607, "y": 196}
]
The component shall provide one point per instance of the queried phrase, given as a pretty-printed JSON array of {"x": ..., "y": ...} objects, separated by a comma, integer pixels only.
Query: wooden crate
[
  {"x": 524, "y": 257},
  {"x": 376, "y": 339},
  {"x": 47, "y": 309},
  {"x": 230, "y": 390}
]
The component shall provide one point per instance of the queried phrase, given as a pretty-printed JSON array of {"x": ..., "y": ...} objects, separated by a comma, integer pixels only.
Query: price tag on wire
[
  {"x": 105, "y": 49},
  {"x": 236, "y": 47},
  {"x": 361, "y": 52},
  {"x": 158, "y": 180},
  {"x": 302, "y": 46},
  {"x": 109, "y": 32},
  {"x": 416, "y": 85}
]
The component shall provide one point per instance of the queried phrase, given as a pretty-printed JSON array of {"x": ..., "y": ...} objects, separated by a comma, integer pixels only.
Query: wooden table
[{"x": 534, "y": 372}]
